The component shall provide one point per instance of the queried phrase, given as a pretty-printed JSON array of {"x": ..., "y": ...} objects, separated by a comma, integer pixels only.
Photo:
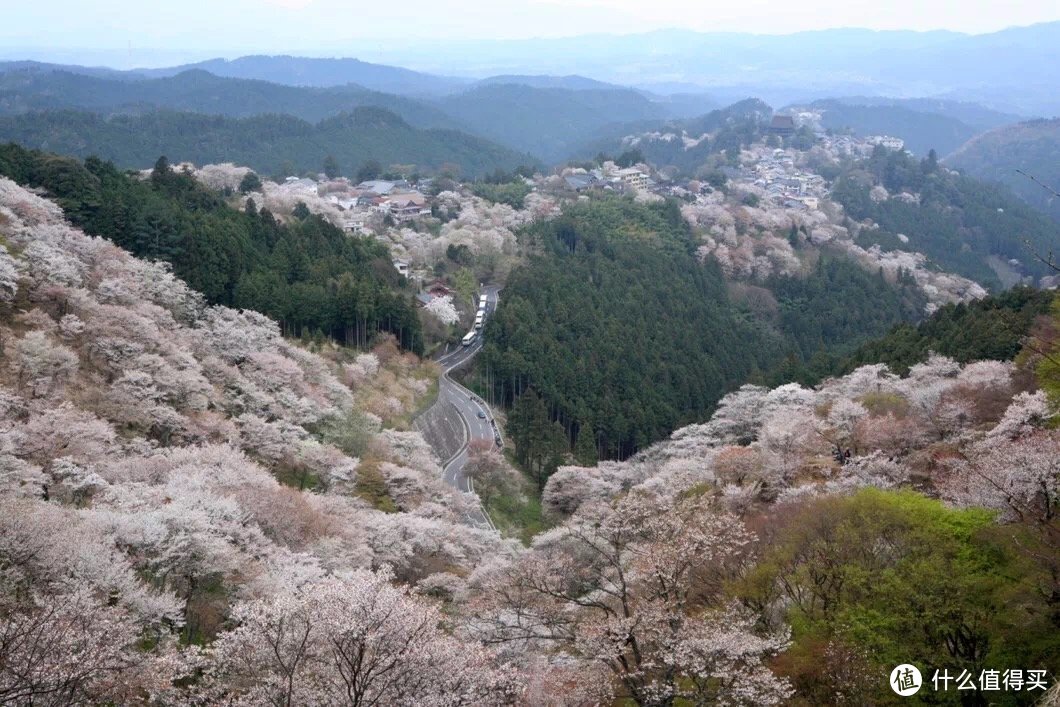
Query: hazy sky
[{"x": 154, "y": 32}]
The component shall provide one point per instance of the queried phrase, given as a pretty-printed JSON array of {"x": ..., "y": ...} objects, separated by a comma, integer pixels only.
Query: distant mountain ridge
[
  {"x": 973, "y": 114},
  {"x": 271, "y": 144},
  {"x": 547, "y": 122},
  {"x": 543, "y": 119},
  {"x": 309, "y": 71},
  {"x": 1012, "y": 71},
  {"x": 921, "y": 131},
  {"x": 572, "y": 82},
  {"x": 1015, "y": 70},
  {"x": 46, "y": 88}
]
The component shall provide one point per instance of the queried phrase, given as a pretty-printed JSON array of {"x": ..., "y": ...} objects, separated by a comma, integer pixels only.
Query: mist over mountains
[
  {"x": 550, "y": 100},
  {"x": 1014, "y": 70}
]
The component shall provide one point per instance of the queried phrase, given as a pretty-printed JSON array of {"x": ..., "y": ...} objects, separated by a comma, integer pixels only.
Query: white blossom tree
[
  {"x": 624, "y": 586},
  {"x": 353, "y": 641},
  {"x": 444, "y": 309}
]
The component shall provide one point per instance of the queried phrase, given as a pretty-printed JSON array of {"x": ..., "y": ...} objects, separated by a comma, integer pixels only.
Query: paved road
[{"x": 456, "y": 409}]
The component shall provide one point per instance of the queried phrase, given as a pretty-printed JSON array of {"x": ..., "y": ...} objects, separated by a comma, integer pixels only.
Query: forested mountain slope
[
  {"x": 197, "y": 91},
  {"x": 624, "y": 334},
  {"x": 963, "y": 225},
  {"x": 168, "y": 448},
  {"x": 1033, "y": 147},
  {"x": 952, "y": 470},
  {"x": 995, "y": 327},
  {"x": 271, "y": 144},
  {"x": 616, "y": 325},
  {"x": 308, "y": 275}
]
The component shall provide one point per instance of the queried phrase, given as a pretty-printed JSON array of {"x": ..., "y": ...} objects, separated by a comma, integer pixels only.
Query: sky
[{"x": 125, "y": 33}]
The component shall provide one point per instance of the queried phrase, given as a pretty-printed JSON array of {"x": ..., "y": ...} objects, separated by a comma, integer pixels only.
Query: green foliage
[
  {"x": 371, "y": 486},
  {"x": 991, "y": 328},
  {"x": 519, "y": 515},
  {"x": 308, "y": 275},
  {"x": 331, "y": 167},
  {"x": 250, "y": 182},
  {"x": 369, "y": 170},
  {"x": 838, "y": 305},
  {"x": 615, "y": 321},
  {"x": 959, "y": 223},
  {"x": 585, "y": 446},
  {"x": 464, "y": 284},
  {"x": 269, "y": 143},
  {"x": 900, "y": 578},
  {"x": 511, "y": 193},
  {"x": 351, "y": 432},
  {"x": 540, "y": 443},
  {"x": 629, "y": 158}
]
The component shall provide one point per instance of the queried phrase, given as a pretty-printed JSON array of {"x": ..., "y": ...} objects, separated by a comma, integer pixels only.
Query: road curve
[{"x": 457, "y": 400}]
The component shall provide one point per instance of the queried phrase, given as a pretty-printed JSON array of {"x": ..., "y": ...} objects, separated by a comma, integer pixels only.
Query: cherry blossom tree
[
  {"x": 839, "y": 426},
  {"x": 64, "y": 431},
  {"x": 443, "y": 309},
  {"x": 629, "y": 586},
  {"x": 355, "y": 641},
  {"x": 42, "y": 364},
  {"x": 74, "y": 649},
  {"x": 1020, "y": 478},
  {"x": 8, "y": 275},
  {"x": 1026, "y": 413}
]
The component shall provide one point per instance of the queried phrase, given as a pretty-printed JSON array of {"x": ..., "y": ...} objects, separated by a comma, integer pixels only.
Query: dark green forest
[
  {"x": 613, "y": 334},
  {"x": 993, "y": 328},
  {"x": 837, "y": 305},
  {"x": 308, "y": 275},
  {"x": 617, "y": 327},
  {"x": 959, "y": 222},
  {"x": 268, "y": 143}
]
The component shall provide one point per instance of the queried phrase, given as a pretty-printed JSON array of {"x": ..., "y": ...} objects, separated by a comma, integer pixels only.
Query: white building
[{"x": 633, "y": 177}]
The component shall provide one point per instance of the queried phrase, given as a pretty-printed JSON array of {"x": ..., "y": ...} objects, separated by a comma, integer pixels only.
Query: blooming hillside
[
  {"x": 778, "y": 550},
  {"x": 143, "y": 443}
]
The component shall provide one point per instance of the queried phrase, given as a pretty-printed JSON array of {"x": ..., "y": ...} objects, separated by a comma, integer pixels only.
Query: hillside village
[{"x": 757, "y": 221}]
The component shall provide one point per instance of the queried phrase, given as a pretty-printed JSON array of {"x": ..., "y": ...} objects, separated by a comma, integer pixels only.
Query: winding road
[{"x": 453, "y": 422}]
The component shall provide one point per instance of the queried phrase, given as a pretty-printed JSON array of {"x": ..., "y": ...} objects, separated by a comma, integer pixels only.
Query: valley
[{"x": 670, "y": 367}]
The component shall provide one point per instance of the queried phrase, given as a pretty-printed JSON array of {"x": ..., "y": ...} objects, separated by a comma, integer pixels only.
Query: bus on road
[{"x": 468, "y": 339}]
